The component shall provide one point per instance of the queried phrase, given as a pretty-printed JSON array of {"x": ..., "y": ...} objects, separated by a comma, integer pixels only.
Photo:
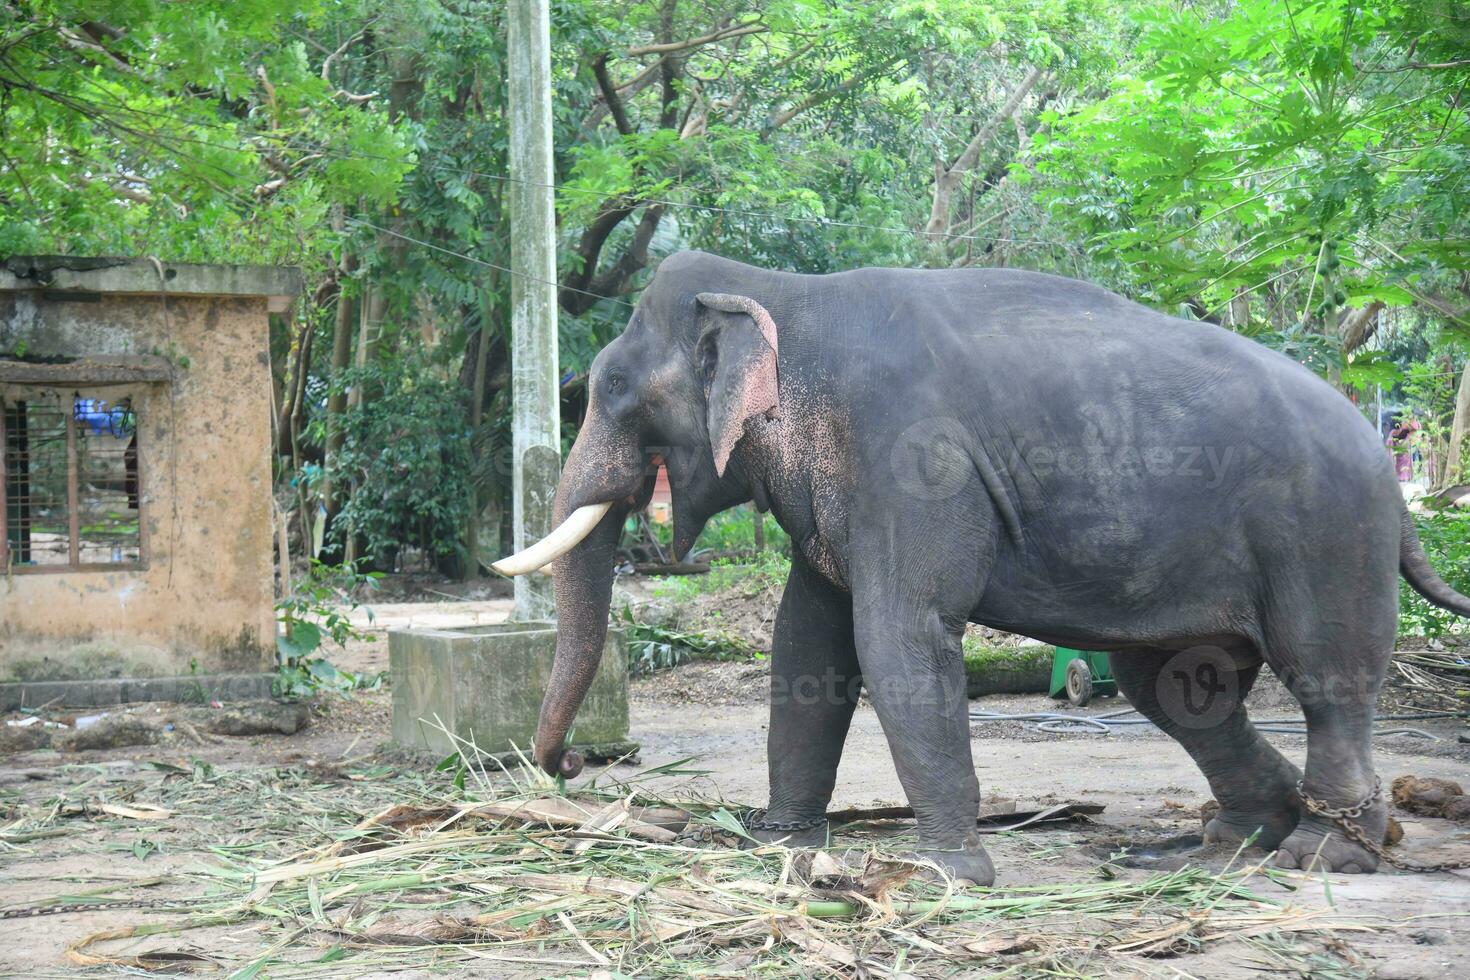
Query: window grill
[{"x": 70, "y": 484}]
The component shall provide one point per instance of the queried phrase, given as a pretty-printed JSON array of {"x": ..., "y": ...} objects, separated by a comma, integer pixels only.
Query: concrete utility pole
[{"x": 536, "y": 418}]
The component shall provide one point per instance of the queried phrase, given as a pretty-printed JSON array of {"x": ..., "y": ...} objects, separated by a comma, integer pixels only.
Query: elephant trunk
[
  {"x": 583, "y": 593},
  {"x": 603, "y": 479}
]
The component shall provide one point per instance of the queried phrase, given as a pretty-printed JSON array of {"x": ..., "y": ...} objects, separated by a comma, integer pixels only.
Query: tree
[
  {"x": 1295, "y": 170},
  {"x": 1292, "y": 167}
]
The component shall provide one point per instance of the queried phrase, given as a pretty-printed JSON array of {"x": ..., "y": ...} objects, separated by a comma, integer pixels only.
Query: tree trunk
[
  {"x": 1457, "y": 468},
  {"x": 303, "y": 365},
  {"x": 369, "y": 323},
  {"x": 298, "y": 357},
  {"x": 1357, "y": 326},
  {"x": 1240, "y": 308},
  {"x": 341, "y": 357},
  {"x": 947, "y": 179},
  {"x": 471, "y": 565}
]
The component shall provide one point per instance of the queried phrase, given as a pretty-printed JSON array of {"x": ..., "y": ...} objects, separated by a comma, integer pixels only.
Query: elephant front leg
[
  {"x": 914, "y": 672},
  {"x": 815, "y": 683}
]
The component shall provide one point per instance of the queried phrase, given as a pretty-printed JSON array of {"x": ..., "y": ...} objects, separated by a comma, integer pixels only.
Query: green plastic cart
[{"x": 1081, "y": 675}]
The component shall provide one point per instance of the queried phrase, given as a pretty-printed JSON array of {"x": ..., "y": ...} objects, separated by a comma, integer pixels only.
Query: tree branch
[
  {"x": 342, "y": 93},
  {"x": 585, "y": 286},
  {"x": 625, "y": 91},
  {"x": 1417, "y": 66},
  {"x": 946, "y": 180},
  {"x": 1444, "y": 307},
  {"x": 610, "y": 95},
  {"x": 615, "y": 279},
  {"x": 1357, "y": 326},
  {"x": 713, "y": 37},
  {"x": 670, "y": 69},
  {"x": 588, "y": 251},
  {"x": 77, "y": 43},
  {"x": 817, "y": 98}
]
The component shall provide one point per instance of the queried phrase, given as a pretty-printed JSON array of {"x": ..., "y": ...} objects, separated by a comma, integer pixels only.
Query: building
[{"x": 135, "y": 478}]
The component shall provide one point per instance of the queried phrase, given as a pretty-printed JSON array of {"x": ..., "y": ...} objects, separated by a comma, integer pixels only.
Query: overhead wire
[{"x": 489, "y": 265}]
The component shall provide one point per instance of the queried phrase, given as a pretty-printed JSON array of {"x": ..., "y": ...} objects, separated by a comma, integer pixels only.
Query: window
[{"x": 71, "y": 491}]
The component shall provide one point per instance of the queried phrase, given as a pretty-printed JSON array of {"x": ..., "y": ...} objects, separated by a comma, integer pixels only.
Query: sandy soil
[{"x": 1416, "y": 925}]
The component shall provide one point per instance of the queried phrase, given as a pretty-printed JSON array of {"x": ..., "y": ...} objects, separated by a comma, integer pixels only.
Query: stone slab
[
  {"x": 103, "y": 693},
  {"x": 66, "y": 273},
  {"x": 484, "y": 684}
]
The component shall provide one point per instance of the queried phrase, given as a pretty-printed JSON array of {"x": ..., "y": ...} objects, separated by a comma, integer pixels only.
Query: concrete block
[{"x": 484, "y": 684}]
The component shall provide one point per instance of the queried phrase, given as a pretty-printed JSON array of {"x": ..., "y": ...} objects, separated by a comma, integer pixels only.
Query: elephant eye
[{"x": 615, "y": 383}]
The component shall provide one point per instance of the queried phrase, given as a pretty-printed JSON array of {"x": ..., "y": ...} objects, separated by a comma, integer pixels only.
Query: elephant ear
[{"x": 738, "y": 356}]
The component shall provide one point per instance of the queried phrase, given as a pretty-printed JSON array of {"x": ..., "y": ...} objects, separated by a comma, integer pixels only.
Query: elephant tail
[{"x": 1415, "y": 567}]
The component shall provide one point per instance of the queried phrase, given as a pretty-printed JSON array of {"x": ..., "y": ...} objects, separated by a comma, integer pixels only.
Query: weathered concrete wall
[
  {"x": 484, "y": 683},
  {"x": 204, "y": 600}
]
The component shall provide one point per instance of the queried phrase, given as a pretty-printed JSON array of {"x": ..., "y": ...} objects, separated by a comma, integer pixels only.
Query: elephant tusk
[{"x": 577, "y": 526}]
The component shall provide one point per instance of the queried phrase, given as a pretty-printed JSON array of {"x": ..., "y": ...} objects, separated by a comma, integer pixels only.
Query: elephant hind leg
[
  {"x": 1196, "y": 694},
  {"x": 1337, "y": 684}
]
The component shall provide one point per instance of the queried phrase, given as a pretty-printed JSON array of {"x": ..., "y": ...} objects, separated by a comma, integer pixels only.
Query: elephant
[{"x": 1023, "y": 451}]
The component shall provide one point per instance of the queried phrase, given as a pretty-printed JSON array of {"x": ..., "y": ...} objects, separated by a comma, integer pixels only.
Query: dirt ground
[{"x": 1412, "y": 925}]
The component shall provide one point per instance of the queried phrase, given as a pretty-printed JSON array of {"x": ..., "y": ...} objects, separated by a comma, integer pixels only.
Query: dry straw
[{"x": 613, "y": 878}]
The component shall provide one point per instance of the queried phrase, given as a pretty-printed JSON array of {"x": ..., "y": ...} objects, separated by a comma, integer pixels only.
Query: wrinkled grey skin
[{"x": 1031, "y": 453}]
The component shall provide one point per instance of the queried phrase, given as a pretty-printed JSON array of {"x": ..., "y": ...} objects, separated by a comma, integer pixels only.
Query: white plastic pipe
[{"x": 577, "y": 526}]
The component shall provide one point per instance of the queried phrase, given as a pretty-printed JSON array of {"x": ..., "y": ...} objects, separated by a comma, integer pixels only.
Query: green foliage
[
  {"x": 653, "y": 647},
  {"x": 1446, "y": 539},
  {"x": 318, "y": 610},
  {"x": 767, "y": 570},
  {"x": 1289, "y": 157},
  {"x": 1279, "y": 163},
  {"x": 979, "y": 655},
  {"x": 732, "y": 530},
  {"x": 166, "y": 125},
  {"x": 983, "y": 664},
  {"x": 407, "y": 452}
]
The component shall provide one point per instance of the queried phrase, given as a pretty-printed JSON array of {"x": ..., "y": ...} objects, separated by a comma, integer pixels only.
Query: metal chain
[
  {"x": 1342, "y": 818},
  {"x": 706, "y": 835},
  {"x": 756, "y": 820},
  {"x": 64, "y": 909},
  {"x": 751, "y": 820}
]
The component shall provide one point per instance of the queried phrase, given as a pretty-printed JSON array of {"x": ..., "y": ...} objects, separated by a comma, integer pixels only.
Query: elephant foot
[
  {"x": 1311, "y": 849},
  {"x": 1235, "y": 826},
  {"x": 1264, "y": 803},
  {"x": 968, "y": 865},
  {"x": 1320, "y": 843}
]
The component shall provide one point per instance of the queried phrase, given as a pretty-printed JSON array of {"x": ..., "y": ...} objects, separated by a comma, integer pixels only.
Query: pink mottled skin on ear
[
  {"x": 758, "y": 397},
  {"x": 760, "y": 394}
]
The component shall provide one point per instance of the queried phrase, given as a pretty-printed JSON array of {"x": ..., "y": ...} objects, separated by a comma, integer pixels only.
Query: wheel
[{"x": 1079, "y": 682}]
